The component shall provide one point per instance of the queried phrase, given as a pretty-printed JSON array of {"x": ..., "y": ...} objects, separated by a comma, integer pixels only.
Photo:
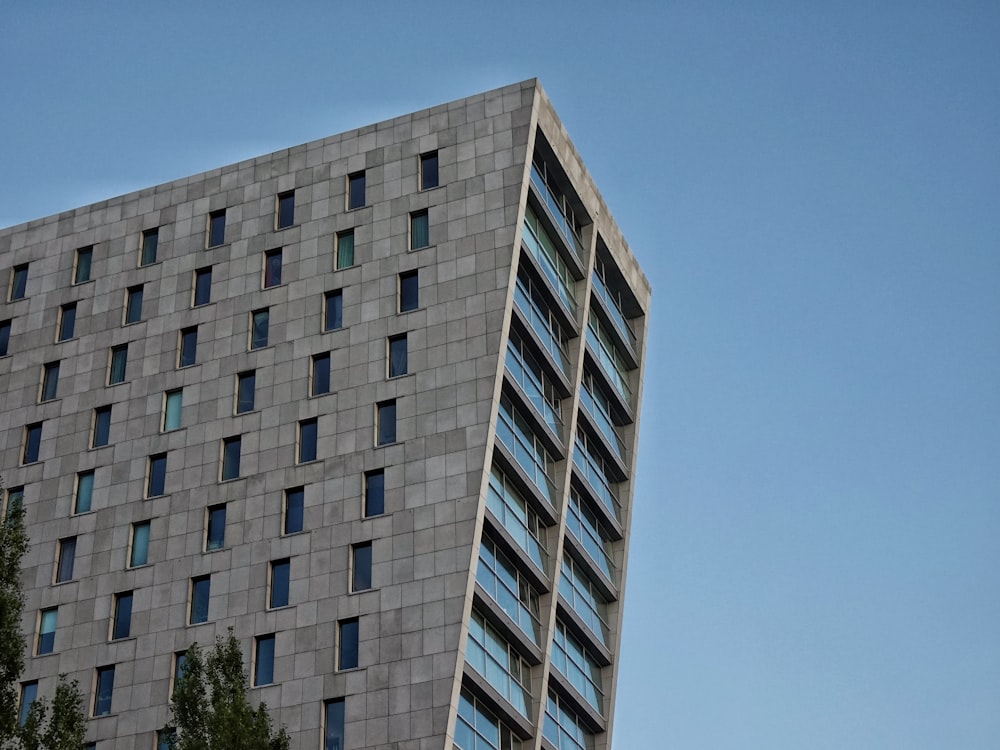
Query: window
[
  {"x": 65, "y": 559},
  {"x": 133, "y": 304},
  {"x": 217, "y": 228},
  {"x": 48, "y": 621},
  {"x": 263, "y": 662},
  {"x": 4, "y": 336},
  {"x": 188, "y": 350},
  {"x": 150, "y": 240},
  {"x": 408, "y": 291},
  {"x": 307, "y": 440},
  {"x": 429, "y": 170},
  {"x": 50, "y": 382},
  {"x": 355, "y": 190},
  {"x": 520, "y": 520},
  {"x": 320, "y": 381},
  {"x": 84, "y": 491},
  {"x": 478, "y": 729},
  {"x": 102, "y": 427},
  {"x": 397, "y": 356},
  {"x": 385, "y": 422},
  {"x": 121, "y": 622},
  {"x": 280, "y": 573},
  {"x": 563, "y": 728},
  {"x": 81, "y": 265},
  {"x": 118, "y": 362},
  {"x": 361, "y": 566},
  {"x": 139, "y": 548},
  {"x": 419, "y": 230},
  {"x": 156, "y": 475},
  {"x": 505, "y": 584},
  {"x": 576, "y": 663},
  {"x": 272, "y": 269},
  {"x": 201, "y": 588},
  {"x": 259, "y": 323},
  {"x": 215, "y": 533},
  {"x": 294, "y": 510},
  {"x": 202, "y": 286},
  {"x": 286, "y": 210},
  {"x": 246, "y": 386},
  {"x": 180, "y": 659},
  {"x": 489, "y": 653},
  {"x": 32, "y": 443},
  {"x": 67, "y": 321},
  {"x": 374, "y": 493},
  {"x": 166, "y": 739},
  {"x": 231, "y": 457},
  {"x": 104, "y": 687},
  {"x": 345, "y": 249},
  {"x": 347, "y": 643},
  {"x": 333, "y": 725},
  {"x": 29, "y": 693},
  {"x": 18, "y": 282},
  {"x": 173, "y": 403},
  {"x": 333, "y": 310},
  {"x": 15, "y": 499}
]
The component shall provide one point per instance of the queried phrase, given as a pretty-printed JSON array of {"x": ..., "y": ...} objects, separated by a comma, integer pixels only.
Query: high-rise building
[{"x": 372, "y": 401}]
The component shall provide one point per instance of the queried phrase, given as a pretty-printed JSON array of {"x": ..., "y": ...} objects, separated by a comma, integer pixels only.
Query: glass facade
[
  {"x": 514, "y": 431},
  {"x": 541, "y": 246},
  {"x": 542, "y": 322},
  {"x": 563, "y": 728},
  {"x": 612, "y": 362},
  {"x": 583, "y": 524},
  {"x": 500, "y": 578},
  {"x": 488, "y": 653},
  {"x": 516, "y": 516},
  {"x": 528, "y": 374},
  {"x": 594, "y": 469},
  {"x": 478, "y": 729},
  {"x": 574, "y": 662}
]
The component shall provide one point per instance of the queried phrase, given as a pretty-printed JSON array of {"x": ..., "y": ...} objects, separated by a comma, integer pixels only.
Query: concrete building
[{"x": 372, "y": 401}]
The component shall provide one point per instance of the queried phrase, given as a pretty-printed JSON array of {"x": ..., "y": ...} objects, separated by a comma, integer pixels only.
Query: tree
[
  {"x": 13, "y": 546},
  {"x": 67, "y": 727},
  {"x": 210, "y": 708}
]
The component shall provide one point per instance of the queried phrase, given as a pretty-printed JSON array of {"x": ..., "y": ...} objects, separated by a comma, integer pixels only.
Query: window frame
[
  {"x": 102, "y": 704},
  {"x": 405, "y": 278},
  {"x": 83, "y": 276},
  {"x": 199, "y": 595},
  {"x": 48, "y": 389},
  {"x": 31, "y": 448},
  {"x": 271, "y": 271},
  {"x": 65, "y": 560},
  {"x": 149, "y": 242},
  {"x": 173, "y": 405},
  {"x": 121, "y": 616},
  {"x": 18, "y": 288},
  {"x": 100, "y": 436},
  {"x": 279, "y": 572},
  {"x": 78, "y": 496},
  {"x": 116, "y": 353},
  {"x": 201, "y": 293},
  {"x": 284, "y": 210},
  {"x": 319, "y": 374},
  {"x": 344, "y": 244},
  {"x": 212, "y": 225},
  {"x": 357, "y": 182},
  {"x": 373, "y": 496},
  {"x": 336, "y": 296},
  {"x": 361, "y": 564},
  {"x": 187, "y": 347},
  {"x": 242, "y": 404},
  {"x": 307, "y": 444},
  {"x": 227, "y": 471},
  {"x": 429, "y": 163},
  {"x": 348, "y": 634},
  {"x": 66, "y": 328},
  {"x": 385, "y": 414},
  {"x": 45, "y": 640},
  {"x": 259, "y": 641},
  {"x": 299, "y": 493},
  {"x": 148, "y": 526},
  {"x": 333, "y": 724},
  {"x": 5, "y": 330},
  {"x": 416, "y": 218},
  {"x": 260, "y": 340},
  {"x": 156, "y": 475},
  {"x": 133, "y": 305},
  {"x": 215, "y": 517},
  {"x": 396, "y": 356}
]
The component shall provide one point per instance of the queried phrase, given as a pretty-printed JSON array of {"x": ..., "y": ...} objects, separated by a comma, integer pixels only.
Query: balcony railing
[
  {"x": 560, "y": 211},
  {"x": 514, "y": 514},
  {"x": 548, "y": 330},
  {"x": 583, "y": 524},
  {"x": 577, "y": 591},
  {"x": 529, "y": 375},
  {"x": 576, "y": 664},
  {"x": 593, "y": 470},
  {"x": 490, "y": 655},
  {"x": 611, "y": 361},
  {"x": 615, "y": 311},
  {"x": 515, "y": 432},
  {"x": 597, "y": 406},
  {"x": 508, "y": 588},
  {"x": 538, "y": 242}
]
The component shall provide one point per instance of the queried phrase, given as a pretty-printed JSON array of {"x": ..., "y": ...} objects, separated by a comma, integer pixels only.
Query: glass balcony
[
  {"x": 607, "y": 354},
  {"x": 489, "y": 654},
  {"x": 542, "y": 322},
  {"x": 575, "y": 664},
  {"x": 515, "y": 432},
  {"x": 614, "y": 309},
  {"x": 538, "y": 242},
  {"x": 584, "y": 526},
  {"x": 598, "y": 407},
  {"x": 593, "y": 469},
  {"x": 508, "y": 588},
  {"x": 514, "y": 514},
  {"x": 478, "y": 729},
  {"x": 563, "y": 728},
  {"x": 528, "y": 374},
  {"x": 561, "y": 212},
  {"x": 579, "y": 593}
]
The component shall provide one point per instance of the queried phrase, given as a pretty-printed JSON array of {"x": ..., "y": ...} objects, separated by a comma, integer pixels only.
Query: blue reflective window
[
  {"x": 280, "y": 582},
  {"x": 348, "y": 644},
  {"x": 139, "y": 554},
  {"x": 263, "y": 666},
  {"x": 201, "y": 588},
  {"x": 374, "y": 493},
  {"x": 104, "y": 689},
  {"x": 294, "y": 510}
]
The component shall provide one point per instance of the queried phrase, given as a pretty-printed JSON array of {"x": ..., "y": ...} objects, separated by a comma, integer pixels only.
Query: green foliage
[
  {"x": 65, "y": 729},
  {"x": 210, "y": 708},
  {"x": 13, "y": 546}
]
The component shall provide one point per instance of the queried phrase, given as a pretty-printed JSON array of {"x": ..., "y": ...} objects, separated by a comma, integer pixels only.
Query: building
[{"x": 372, "y": 401}]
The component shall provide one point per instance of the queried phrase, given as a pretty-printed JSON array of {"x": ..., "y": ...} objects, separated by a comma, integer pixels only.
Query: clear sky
[{"x": 813, "y": 190}]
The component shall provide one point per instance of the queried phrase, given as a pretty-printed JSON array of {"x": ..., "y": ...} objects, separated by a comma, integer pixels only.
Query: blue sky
[{"x": 813, "y": 190}]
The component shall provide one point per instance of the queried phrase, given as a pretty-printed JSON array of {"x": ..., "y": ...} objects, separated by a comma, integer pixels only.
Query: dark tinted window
[
  {"x": 386, "y": 423},
  {"x": 19, "y": 282},
  {"x": 307, "y": 440},
  {"x": 294, "y": 509},
  {"x": 408, "y": 291},
  {"x": 361, "y": 569},
  {"x": 102, "y": 426},
  {"x": 246, "y": 385},
  {"x": 231, "y": 457},
  {"x": 67, "y": 321},
  {"x": 263, "y": 663},
  {"x": 429, "y": 170},
  {"x": 272, "y": 268},
  {"x": 189, "y": 347},
  {"x": 348, "y": 658},
  {"x": 397, "y": 357},
  {"x": 216, "y": 228},
  {"x": 333, "y": 317},
  {"x": 133, "y": 305},
  {"x": 122, "y": 625},
  {"x": 200, "y": 590},
  {"x": 320, "y": 374},
  {"x": 150, "y": 241},
  {"x": 50, "y": 381},
  {"x": 286, "y": 209},
  {"x": 32, "y": 443},
  {"x": 356, "y": 190},
  {"x": 280, "y": 572},
  {"x": 157, "y": 481},
  {"x": 374, "y": 493},
  {"x": 81, "y": 270},
  {"x": 203, "y": 286},
  {"x": 215, "y": 537},
  {"x": 260, "y": 323},
  {"x": 104, "y": 688}
]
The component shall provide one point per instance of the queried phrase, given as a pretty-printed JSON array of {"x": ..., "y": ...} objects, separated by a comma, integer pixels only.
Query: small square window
[
  {"x": 65, "y": 559},
  {"x": 259, "y": 325},
  {"x": 333, "y": 725},
  {"x": 4, "y": 336},
  {"x": 294, "y": 511},
  {"x": 347, "y": 644},
  {"x": 150, "y": 241},
  {"x": 202, "y": 287},
  {"x": 217, "y": 228},
  {"x": 397, "y": 359},
  {"x": 81, "y": 264},
  {"x": 156, "y": 475},
  {"x": 117, "y": 363},
  {"x": 48, "y": 621},
  {"x": 104, "y": 687},
  {"x": 67, "y": 322},
  {"x": 333, "y": 310},
  {"x": 280, "y": 582},
  {"x": 231, "y": 457},
  {"x": 102, "y": 427},
  {"x": 355, "y": 190},
  {"x": 286, "y": 210},
  {"x": 32, "y": 443},
  {"x": 272, "y": 268},
  {"x": 50, "y": 382},
  {"x": 215, "y": 533},
  {"x": 263, "y": 661},
  {"x": 173, "y": 404},
  {"x": 429, "y": 170},
  {"x": 84, "y": 493},
  {"x": 187, "y": 351},
  {"x": 345, "y": 249},
  {"x": 139, "y": 547},
  {"x": 307, "y": 440},
  {"x": 374, "y": 493},
  {"x": 409, "y": 288},
  {"x": 385, "y": 422},
  {"x": 29, "y": 694},
  {"x": 201, "y": 588},
  {"x": 361, "y": 566},
  {"x": 121, "y": 622},
  {"x": 18, "y": 282},
  {"x": 320, "y": 381},
  {"x": 133, "y": 305},
  {"x": 246, "y": 386},
  {"x": 419, "y": 230}
]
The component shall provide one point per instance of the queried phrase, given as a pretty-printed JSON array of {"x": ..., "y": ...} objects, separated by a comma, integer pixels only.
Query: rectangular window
[
  {"x": 50, "y": 382},
  {"x": 102, "y": 427},
  {"x": 67, "y": 321},
  {"x": 81, "y": 264},
  {"x": 156, "y": 476},
  {"x": 320, "y": 381},
  {"x": 150, "y": 241},
  {"x": 361, "y": 566},
  {"x": 295, "y": 500},
  {"x": 246, "y": 387},
  {"x": 202, "y": 287},
  {"x": 187, "y": 354},
  {"x": 307, "y": 440},
  {"x": 15, "y": 499},
  {"x": 18, "y": 282},
  {"x": 29, "y": 694},
  {"x": 397, "y": 356},
  {"x": 139, "y": 549},
  {"x": 65, "y": 559},
  {"x": 259, "y": 324},
  {"x": 419, "y": 230},
  {"x": 166, "y": 739},
  {"x": 272, "y": 269},
  {"x": 133, "y": 304},
  {"x": 347, "y": 643},
  {"x": 173, "y": 404},
  {"x": 345, "y": 249},
  {"x": 429, "y": 170},
  {"x": 333, "y": 310},
  {"x": 491, "y": 655},
  {"x": 286, "y": 210},
  {"x": 333, "y": 725},
  {"x": 385, "y": 422},
  {"x": 263, "y": 661},
  {"x": 104, "y": 687},
  {"x": 32, "y": 443},
  {"x": 180, "y": 659},
  {"x": 117, "y": 362},
  {"x": 4, "y": 336},
  {"x": 215, "y": 533},
  {"x": 374, "y": 493},
  {"x": 231, "y": 457},
  {"x": 280, "y": 578},
  {"x": 355, "y": 190},
  {"x": 409, "y": 298},
  {"x": 201, "y": 589},
  {"x": 121, "y": 623},
  {"x": 84, "y": 491},
  {"x": 217, "y": 227},
  {"x": 48, "y": 621},
  {"x": 478, "y": 729}
]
